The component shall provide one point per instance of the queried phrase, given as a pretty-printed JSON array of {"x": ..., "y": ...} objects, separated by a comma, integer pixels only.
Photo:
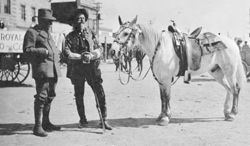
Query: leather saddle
[
  {"x": 179, "y": 43},
  {"x": 204, "y": 43}
]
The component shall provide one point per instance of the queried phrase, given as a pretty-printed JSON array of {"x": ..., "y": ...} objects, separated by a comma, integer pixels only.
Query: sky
[{"x": 229, "y": 17}]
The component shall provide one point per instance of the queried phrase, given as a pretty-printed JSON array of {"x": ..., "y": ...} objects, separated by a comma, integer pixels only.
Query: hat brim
[
  {"x": 77, "y": 12},
  {"x": 48, "y": 18}
]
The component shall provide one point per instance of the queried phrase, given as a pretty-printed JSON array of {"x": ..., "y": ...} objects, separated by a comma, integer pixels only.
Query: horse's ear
[
  {"x": 196, "y": 32},
  {"x": 133, "y": 21},
  {"x": 120, "y": 20}
]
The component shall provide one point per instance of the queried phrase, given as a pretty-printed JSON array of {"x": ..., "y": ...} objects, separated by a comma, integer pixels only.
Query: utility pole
[
  {"x": 249, "y": 24},
  {"x": 98, "y": 18},
  {"x": 105, "y": 49}
]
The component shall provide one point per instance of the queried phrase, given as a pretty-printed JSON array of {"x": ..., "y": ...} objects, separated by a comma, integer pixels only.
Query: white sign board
[{"x": 12, "y": 41}]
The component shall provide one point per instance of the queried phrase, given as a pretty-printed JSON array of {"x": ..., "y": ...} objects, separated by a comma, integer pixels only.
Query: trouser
[
  {"x": 93, "y": 77},
  {"x": 45, "y": 89},
  {"x": 45, "y": 93}
]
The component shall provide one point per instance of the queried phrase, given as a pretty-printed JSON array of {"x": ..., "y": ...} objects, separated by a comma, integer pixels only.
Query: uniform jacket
[
  {"x": 36, "y": 42},
  {"x": 77, "y": 42}
]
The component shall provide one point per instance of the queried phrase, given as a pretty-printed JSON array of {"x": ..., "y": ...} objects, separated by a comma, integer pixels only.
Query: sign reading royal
[{"x": 11, "y": 41}]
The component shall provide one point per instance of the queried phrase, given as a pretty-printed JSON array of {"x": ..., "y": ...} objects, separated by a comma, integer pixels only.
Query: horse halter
[{"x": 130, "y": 35}]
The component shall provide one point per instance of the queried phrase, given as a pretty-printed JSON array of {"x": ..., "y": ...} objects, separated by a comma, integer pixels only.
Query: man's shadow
[
  {"x": 95, "y": 128},
  {"x": 13, "y": 84}
]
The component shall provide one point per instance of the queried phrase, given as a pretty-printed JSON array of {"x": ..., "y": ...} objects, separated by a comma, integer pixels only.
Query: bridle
[
  {"x": 130, "y": 35},
  {"x": 124, "y": 45}
]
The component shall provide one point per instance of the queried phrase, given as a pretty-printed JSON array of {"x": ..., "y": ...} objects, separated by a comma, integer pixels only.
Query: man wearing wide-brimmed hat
[
  {"x": 83, "y": 53},
  {"x": 43, "y": 55}
]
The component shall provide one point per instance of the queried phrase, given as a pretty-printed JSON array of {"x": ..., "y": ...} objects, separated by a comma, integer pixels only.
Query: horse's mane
[{"x": 150, "y": 34}]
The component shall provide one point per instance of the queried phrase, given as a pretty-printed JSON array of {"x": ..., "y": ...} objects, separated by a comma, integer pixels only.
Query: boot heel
[{"x": 38, "y": 131}]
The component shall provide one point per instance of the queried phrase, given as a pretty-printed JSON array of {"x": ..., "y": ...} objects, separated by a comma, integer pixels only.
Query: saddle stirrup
[{"x": 187, "y": 77}]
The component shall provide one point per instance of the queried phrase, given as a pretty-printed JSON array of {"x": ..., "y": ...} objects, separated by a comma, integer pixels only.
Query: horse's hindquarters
[{"x": 206, "y": 64}]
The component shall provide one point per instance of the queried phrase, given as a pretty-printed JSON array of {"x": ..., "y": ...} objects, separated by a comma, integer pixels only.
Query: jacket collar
[{"x": 41, "y": 31}]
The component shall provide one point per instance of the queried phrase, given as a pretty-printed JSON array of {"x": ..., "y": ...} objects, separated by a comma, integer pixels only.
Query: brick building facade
[
  {"x": 17, "y": 14},
  {"x": 63, "y": 10}
]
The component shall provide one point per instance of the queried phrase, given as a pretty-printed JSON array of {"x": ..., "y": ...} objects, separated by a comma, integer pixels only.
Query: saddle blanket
[{"x": 210, "y": 43}]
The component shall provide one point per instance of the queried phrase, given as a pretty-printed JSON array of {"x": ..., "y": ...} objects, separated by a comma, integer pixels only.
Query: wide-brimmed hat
[
  {"x": 45, "y": 14},
  {"x": 78, "y": 12}
]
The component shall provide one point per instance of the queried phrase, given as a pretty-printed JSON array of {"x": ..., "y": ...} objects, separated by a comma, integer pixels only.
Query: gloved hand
[{"x": 86, "y": 57}]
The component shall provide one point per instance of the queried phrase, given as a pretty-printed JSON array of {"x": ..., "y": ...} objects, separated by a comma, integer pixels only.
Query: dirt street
[{"x": 197, "y": 115}]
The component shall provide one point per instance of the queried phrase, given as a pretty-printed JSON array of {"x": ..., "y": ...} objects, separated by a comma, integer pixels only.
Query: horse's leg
[
  {"x": 138, "y": 64},
  {"x": 235, "y": 91},
  {"x": 126, "y": 64},
  {"x": 116, "y": 66},
  {"x": 230, "y": 75},
  {"x": 141, "y": 64},
  {"x": 129, "y": 63},
  {"x": 165, "y": 115},
  {"x": 219, "y": 76}
]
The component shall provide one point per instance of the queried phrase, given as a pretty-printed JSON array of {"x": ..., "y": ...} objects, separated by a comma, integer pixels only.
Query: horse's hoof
[
  {"x": 159, "y": 119},
  {"x": 229, "y": 117},
  {"x": 163, "y": 121}
]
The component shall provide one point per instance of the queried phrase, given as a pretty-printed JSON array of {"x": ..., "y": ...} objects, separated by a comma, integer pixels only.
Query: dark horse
[
  {"x": 139, "y": 55},
  {"x": 123, "y": 57}
]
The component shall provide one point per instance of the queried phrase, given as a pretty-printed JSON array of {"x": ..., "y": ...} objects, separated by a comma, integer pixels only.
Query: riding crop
[{"x": 99, "y": 112}]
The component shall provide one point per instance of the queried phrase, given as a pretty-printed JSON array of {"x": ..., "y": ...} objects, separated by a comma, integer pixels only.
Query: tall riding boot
[
  {"x": 81, "y": 112},
  {"x": 38, "y": 111},
  {"x": 47, "y": 125}
]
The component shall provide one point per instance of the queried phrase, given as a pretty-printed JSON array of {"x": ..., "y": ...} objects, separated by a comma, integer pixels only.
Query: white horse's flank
[{"x": 225, "y": 65}]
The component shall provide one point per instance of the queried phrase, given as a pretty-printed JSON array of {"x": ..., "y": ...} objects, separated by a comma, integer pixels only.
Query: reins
[{"x": 121, "y": 67}]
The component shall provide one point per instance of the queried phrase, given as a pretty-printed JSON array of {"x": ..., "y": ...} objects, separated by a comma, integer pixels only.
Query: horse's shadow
[
  {"x": 93, "y": 126},
  {"x": 146, "y": 122},
  {"x": 208, "y": 80},
  {"x": 202, "y": 80}
]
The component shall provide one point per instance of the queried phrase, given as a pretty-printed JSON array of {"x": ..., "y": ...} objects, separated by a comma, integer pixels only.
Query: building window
[
  {"x": 23, "y": 14},
  {"x": 33, "y": 11},
  {"x": 6, "y": 4}
]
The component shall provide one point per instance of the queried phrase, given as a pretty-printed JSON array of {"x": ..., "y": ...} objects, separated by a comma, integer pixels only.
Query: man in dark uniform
[
  {"x": 41, "y": 51},
  {"x": 83, "y": 53}
]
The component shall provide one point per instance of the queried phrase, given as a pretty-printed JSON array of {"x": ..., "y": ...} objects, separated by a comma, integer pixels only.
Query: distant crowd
[{"x": 243, "y": 47}]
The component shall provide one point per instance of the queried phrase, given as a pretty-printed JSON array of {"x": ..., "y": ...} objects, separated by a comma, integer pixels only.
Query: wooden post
[{"x": 105, "y": 49}]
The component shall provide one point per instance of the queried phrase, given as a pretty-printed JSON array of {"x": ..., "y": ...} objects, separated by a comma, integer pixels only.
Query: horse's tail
[{"x": 240, "y": 75}]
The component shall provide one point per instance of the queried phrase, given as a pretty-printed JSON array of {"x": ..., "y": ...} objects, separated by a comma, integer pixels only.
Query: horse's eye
[{"x": 125, "y": 34}]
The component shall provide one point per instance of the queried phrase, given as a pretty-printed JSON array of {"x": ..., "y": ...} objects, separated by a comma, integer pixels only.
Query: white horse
[{"x": 224, "y": 65}]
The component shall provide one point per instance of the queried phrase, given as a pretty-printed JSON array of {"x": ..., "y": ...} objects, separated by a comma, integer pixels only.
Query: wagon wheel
[
  {"x": 8, "y": 68},
  {"x": 8, "y": 75},
  {"x": 23, "y": 71}
]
